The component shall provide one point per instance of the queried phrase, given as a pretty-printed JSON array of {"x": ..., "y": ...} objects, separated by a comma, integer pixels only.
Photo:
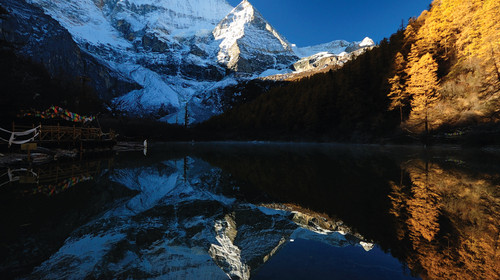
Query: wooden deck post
[{"x": 81, "y": 149}]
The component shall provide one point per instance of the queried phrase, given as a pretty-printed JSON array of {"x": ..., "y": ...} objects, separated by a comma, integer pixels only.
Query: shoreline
[{"x": 42, "y": 155}]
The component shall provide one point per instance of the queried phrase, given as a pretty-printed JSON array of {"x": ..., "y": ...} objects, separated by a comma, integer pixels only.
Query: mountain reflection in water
[{"x": 212, "y": 211}]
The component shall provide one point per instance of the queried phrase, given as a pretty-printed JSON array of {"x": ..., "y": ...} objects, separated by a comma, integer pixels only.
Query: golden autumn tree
[
  {"x": 466, "y": 19},
  {"x": 468, "y": 201},
  {"x": 464, "y": 39},
  {"x": 398, "y": 95},
  {"x": 489, "y": 50},
  {"x": 423, "y": 86},
  {"x": 410, "y": 36}
]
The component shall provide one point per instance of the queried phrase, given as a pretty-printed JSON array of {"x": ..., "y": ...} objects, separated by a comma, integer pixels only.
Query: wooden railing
[{"x": 57, "y": 133}]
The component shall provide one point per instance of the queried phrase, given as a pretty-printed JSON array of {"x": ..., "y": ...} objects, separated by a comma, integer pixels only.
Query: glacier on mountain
[{"x": 180, "y": 53}]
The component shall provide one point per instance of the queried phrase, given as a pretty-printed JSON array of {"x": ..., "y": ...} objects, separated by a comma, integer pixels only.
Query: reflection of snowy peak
[
  {"x": 180, "y": 225},
  {"x": 249, "y": 43}
]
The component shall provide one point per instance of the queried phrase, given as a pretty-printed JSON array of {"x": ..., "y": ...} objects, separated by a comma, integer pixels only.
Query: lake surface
[{"x": 255, "y": 211}]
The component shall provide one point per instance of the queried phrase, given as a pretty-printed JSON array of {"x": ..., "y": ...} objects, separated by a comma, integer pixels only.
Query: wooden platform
[{"x": 73, "y": 137}]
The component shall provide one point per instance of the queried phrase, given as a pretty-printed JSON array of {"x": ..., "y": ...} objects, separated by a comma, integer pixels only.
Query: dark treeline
[
  {"x": 349, "y": 104},
  {"x": 438, "y": 79},
  {"x": 245, "y": 92}
]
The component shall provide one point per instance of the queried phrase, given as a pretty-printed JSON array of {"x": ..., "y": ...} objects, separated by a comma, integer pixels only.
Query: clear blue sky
[{"x": 311, "y": 22}]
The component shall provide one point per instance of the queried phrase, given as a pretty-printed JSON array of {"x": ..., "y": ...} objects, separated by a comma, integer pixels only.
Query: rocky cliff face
[
  {"x": 156, "y": 58},
  {"x": 40, "y": 38},
  {"x": 178, "y": 30},
  {"x": 168, "y": 48},
  {"x": 249, "y": 44}
]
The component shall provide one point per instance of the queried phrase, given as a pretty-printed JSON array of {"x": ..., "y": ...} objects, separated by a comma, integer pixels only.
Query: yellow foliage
[
  {"x": 464, "y": 38},
  {"x": 423, "y": 87},
  {"x": 470, "y": 203}
]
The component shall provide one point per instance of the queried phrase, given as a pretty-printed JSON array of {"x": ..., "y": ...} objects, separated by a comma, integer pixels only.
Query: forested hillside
[
  {"x": 451, "y": 75},
  {"x": 440, "y": 76}
]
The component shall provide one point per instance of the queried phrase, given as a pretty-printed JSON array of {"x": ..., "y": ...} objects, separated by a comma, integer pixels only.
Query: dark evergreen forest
[
  {"x": 437, "y": 80},
  {"x": 348, "y": 104}
]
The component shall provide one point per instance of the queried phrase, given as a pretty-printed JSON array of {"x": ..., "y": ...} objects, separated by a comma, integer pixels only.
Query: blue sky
[{"x": 311, "y": 22}]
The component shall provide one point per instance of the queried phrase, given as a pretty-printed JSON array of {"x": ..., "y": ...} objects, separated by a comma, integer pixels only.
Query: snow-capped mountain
[
  {"x": 335, "y": 47},
  {"x": 161, "y": 57},
  {"x": 166, "y": 47},
  {"x": 249, "y": 43},
  {"x": 335, "y": 53},
  {"x": 181, "y": 224}
]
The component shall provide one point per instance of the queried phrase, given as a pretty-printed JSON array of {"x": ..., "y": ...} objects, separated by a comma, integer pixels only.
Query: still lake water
[{"x": 255, "y": 211}]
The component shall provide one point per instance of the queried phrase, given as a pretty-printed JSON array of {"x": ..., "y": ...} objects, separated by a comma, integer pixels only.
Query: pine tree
[
  {"x": 398, "y": 95},
  {"x": 410, "y": 33},
  {"x": 489, "y": 50},
  {"x": 423, "y": 87},
  {"x": 399, "y": 64},
  {"x": 413, "y": 58}
]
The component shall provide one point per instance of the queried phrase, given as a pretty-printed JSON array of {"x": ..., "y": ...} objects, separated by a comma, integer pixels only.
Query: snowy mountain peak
[
  {"x": 245, "y": 35},
  {"x": 367, "y": 42},
  {"x": 334, "y": 53},
  {"x": 174, "y": 55},
  {"x": 335, "y": 47}
]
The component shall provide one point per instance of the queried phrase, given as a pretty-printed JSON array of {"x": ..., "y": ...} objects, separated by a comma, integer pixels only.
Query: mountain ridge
[
  {"x": 336, "y": 47},
  {"x": 178, "y": 54},
  {"x": 246, "y": 36}
]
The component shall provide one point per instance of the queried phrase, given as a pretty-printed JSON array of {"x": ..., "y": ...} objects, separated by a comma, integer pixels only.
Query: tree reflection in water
[
  {"x": 450, "y": 216},
  {"x": 438, "y": 212}
]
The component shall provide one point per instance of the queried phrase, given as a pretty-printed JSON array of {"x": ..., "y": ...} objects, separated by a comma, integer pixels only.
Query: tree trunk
[
  {"x": 401, "y": 113},
  {"x": 426, "y": 128},
  {"x": 495, "y": 64}
]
